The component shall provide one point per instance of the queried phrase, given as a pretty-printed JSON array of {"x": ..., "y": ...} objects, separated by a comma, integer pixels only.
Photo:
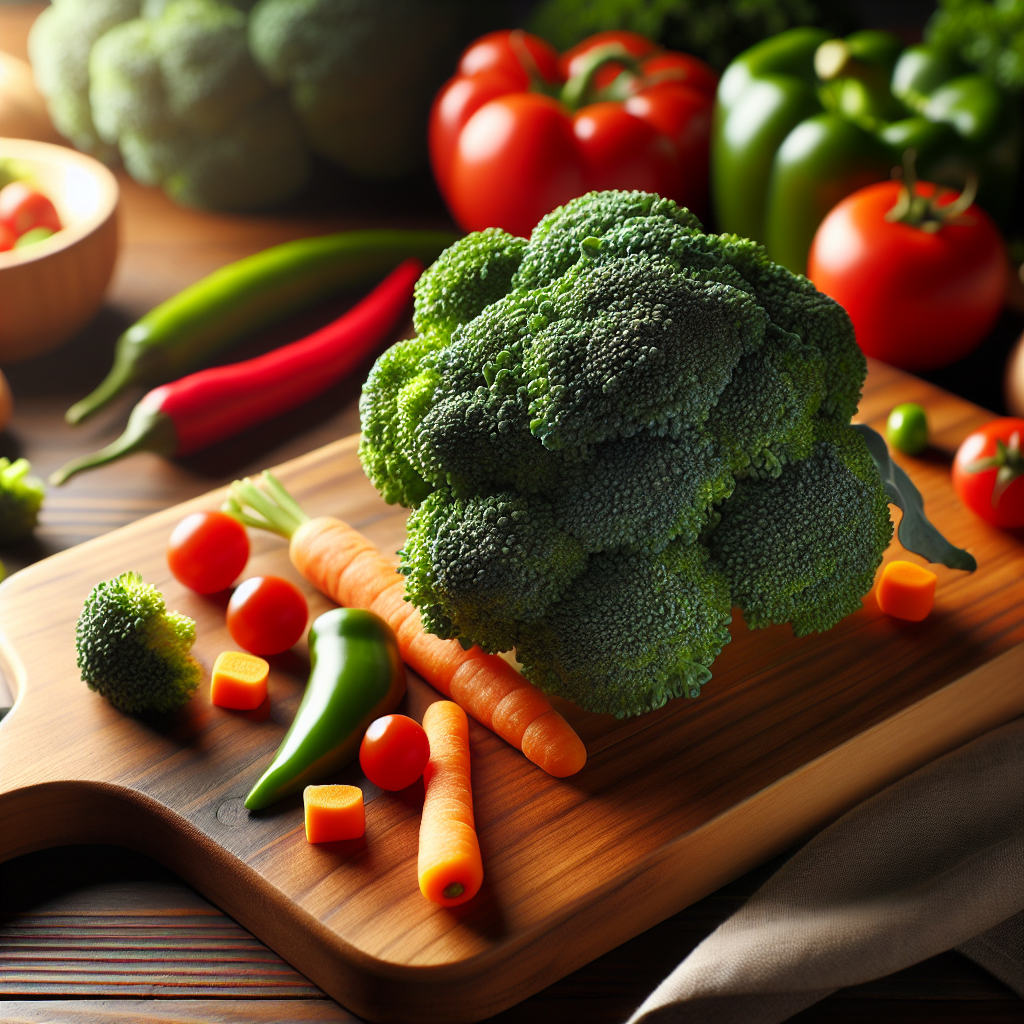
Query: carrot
[
  {"x": 333, "y": 813},
  {"x": 450, "y": 867},
  {"x": 342, "y": 564},
  {"x": 238, "y": 681},
  {"x": 906, "y": 591}
]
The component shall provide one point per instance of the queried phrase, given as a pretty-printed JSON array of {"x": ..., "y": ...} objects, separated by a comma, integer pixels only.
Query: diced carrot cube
[
  {"x": 239, "y": 681},
  {"x": 334, "y": 813},
  {"x": 906, "y": 591}
]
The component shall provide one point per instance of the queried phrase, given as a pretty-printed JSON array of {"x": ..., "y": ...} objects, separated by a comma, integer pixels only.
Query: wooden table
[{"x": 101, "y": 934}]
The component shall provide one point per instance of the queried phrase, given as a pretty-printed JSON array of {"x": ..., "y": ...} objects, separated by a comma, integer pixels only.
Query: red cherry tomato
[
  {"x": 918, "y": 299},
  {"x": 394, "y": 752},
  {"x": 207, "y": 551},
  {"x": 7, "y": 238},
  {"x": 266, "y": 615},
  {"x": 991, "y": 453},
  {"x": 23, "y": 208}
]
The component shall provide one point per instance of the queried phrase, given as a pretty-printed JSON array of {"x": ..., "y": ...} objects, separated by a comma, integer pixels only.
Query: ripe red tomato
[
  {"x": 23, "y": 208},
  {"x": 505, "y": 151},
  {"x": 992, "y": 452},
  {"x": 394, "y": 752},
  {"x": 918, "y": 299},
  {"x": 266, "y": 615},
  {"x": 207, "y": 550}
]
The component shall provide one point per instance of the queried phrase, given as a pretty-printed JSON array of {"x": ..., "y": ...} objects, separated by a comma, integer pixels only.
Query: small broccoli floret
[
  {"x": 612, "y": 433},
  {"x": 803, "y": 548},
  {"x": 482, "y": 567},
  {"x": 466, "y": 278},
  {"x": 132, "y": 650},
  {"x": 632, "y": 632},
  {"x": 21, "y": 497}
]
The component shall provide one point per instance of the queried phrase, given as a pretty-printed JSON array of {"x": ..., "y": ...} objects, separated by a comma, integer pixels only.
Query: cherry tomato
[
  {"x": 7, "y": 238},
  {"x": 207, "y": 551},
  {"x": 266, "y": 615},
  {"x": 918, "y": 299},
  {"x": 988, "y": 472},
  {"x": 23, "y": 208},
  {"x": 394, "y": 752}
]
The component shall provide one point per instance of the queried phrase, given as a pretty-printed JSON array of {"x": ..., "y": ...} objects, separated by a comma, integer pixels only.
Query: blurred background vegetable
[
  {"x": 714, "y": 30},
  {"x": 22, "y": 108},
  {"x": 519, "y": 130},
  {"x": 221, "y": 102},
  {"x": 21, "y": 497}
]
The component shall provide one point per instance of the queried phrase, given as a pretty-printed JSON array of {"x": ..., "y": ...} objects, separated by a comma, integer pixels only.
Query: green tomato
[{"x": 907, "y": 429}]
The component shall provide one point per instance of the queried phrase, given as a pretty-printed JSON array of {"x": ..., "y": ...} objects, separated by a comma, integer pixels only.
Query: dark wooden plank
[{"x": 175, "y": 1011}]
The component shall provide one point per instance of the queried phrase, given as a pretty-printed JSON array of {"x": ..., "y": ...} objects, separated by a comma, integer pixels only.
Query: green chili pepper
[
  {"x": 356, "y": 675},
  {"x": 801, "y": 121},
  {"x": 186, "y": 330}
]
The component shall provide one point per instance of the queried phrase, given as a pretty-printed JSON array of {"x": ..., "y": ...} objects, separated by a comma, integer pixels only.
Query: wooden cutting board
[{"x": 788, "y": 735}]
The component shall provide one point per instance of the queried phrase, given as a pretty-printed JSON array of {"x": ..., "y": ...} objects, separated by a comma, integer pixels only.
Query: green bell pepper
[
  {"x": 356, "y": 675},
  {"x": 801, "y": 121}
]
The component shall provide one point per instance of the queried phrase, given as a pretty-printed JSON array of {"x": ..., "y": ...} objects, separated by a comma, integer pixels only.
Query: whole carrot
[
  {"x": 450, "y": 868},
  {"x": 341, "y": 563},
  {"x": 205, "y": 407}
]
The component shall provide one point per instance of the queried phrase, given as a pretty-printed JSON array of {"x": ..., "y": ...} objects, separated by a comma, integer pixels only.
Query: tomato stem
[
  {"x": 923, "y": 212},
  {"x": 577, "y": 91},
  {"x": 1008, "y": 462}
]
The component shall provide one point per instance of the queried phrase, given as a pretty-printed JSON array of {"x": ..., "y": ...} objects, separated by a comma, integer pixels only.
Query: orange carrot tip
[
  {"x": 333, "y": 813},
  {"x": 906, "y": 591},
  {"x": 239, "y": 681}
]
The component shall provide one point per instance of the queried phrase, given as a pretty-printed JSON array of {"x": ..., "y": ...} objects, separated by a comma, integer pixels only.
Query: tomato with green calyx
[
  {"x": 988, "y": 472},
  {"x": 207, "y": 550},
  {"x": 906, "y": 430},
  {"x": 519, "y": 131},
  {"x": 921, "y": 271},
  {"x": 266, "y": 615},
  {"x": 394, "y": 752}
]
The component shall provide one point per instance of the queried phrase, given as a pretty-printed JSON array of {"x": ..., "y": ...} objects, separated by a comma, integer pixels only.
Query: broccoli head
[
  {"x": 179, "y": 93},
  {"x": 21, "y": 497},
  {"x": 132, "y": 650},
  {"x": 612, "y": 433}
]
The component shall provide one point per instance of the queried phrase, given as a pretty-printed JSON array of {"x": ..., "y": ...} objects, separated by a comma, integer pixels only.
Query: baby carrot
[
  {"x": 906, "y": 591},
  {"x": 450, "y": 867},
  {"x": 238, "y": 681},
  {"x": 341, "y": 563}
]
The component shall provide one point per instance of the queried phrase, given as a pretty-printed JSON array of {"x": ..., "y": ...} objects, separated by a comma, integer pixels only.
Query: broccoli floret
[
  {"x": 803, "y": 547},
  {"x": 21, "y": 497},
  {"x": 179, "y": 93},
  {"x": 58, "y": 45},
  {"x": 612, "y": 433},
  {"x": 481, "y": 568},
  {"x": 632, "y": 632},
  {"x": 132, "y": 650}
]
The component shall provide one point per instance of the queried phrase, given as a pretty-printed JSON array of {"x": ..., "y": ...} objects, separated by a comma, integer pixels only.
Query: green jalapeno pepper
[
  {"x": 356, "y": 675},
  {"x": 186, "y": 330},
  {"x": 801, "y": 121}
]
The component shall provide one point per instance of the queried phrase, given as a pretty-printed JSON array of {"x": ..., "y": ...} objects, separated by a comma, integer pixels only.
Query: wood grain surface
[{"x": 670, "y": 806}]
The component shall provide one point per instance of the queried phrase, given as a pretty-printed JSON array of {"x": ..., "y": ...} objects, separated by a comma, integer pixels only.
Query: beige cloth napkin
[{"x": 935, "y": 861}]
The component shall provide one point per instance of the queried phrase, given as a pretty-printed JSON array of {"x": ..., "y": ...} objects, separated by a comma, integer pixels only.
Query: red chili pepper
[
  {"x": 208, "y": 406},
  {"x": 520, "y": 130}
]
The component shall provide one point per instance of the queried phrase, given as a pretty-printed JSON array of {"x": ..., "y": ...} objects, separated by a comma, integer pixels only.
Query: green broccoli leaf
[{"x": 915, "y": 531}]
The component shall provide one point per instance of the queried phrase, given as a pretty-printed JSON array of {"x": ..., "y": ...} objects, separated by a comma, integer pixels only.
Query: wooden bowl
[{"x": 52, "y": 288}]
